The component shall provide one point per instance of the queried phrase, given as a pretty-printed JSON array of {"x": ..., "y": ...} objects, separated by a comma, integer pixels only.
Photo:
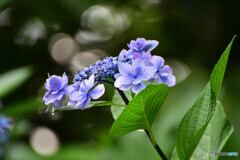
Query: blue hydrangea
[
  {"x": 132, "y": 76},
  {"x": 88, "y": 89},
  {"x": 130, "y": 70},
  {"x": 57, "y": 89},
  {"x": 142, "y": 48}
]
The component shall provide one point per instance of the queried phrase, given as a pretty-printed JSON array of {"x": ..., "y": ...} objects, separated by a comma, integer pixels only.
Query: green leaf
[
  {"x": 116, "y": 110},
  {"x": 91, "y": 104},
  {"x": 10, "y": 80},
  {"x": 141, "y": 111},
  {"x": 214, "y": 138},
  {"x": 21, "y": 108},
  {"x": 194, "y": 123},
  {"x": 196, "y": 120},
  {"x": 219, "y": 70}
]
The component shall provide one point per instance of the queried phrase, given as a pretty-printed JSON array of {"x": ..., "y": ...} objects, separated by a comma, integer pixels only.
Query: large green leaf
[
  {"x": 214, "y": 138},
  {"x": 117, "y": 110},
  {"x": 219, "y": 70},
  {"x": 13, "y": 79},
  {"x": 91, "y": 104},
  {"x": 194, "y": 123},
  {"x": 196, "y": 120},
  {"x": 141, "y": 111}
]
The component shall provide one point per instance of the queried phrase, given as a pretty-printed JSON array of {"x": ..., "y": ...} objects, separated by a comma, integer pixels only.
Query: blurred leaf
[
  {"x": 141, "y": 111},
  {"x": 10, "y": 80},
  {"x": 116, "y": 110},
  {"x": 219, "y": 70},
  {"x": 214, "y": 138},
  {"x": 23, "y": 107},
  {"x": 3, "y": 2},
  {"x": 91, "y": 104},
  {"x": 196, "y": 120}
]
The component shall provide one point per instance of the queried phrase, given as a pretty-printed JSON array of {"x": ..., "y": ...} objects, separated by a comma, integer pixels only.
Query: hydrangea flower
[
  {"x": 87, "y": 90},
  {"x": 57, "y": 88},
  {"x": 132, "y": 76},
  {"x": 163, "y": 73},
  {"x": 141, "y": 46}
]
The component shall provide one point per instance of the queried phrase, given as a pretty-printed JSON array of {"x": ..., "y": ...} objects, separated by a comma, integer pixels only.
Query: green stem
[
  {"x": 155, "y": 145},
  {"x": 149, "y": 133}
]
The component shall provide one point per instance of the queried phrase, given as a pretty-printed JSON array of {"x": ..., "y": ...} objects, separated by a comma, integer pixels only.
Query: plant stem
[
  {"x": 155, "y": 145},
  {"x": 149, "y": 133}
]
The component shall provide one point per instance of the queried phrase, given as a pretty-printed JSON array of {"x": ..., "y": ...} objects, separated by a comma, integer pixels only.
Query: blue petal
[
  {"x": 125, "y": 69},
  {"x": 97, "y": 92},
  {"x": 136, "y": 81},
  {"x": 124, "y": 80},
  {"x": 136, "y": 88},
  {"x": 83, "y": 104},
  {"x": 148, "y": 73},
  {"x": 157, "y": 62},
  {"x": 150, "y": 45},
  {"x": 125, "y": 87},
  {"x": 55, "y": 82},
  {"x": 64, "y": 80},
  {"x": 138, "y": 66},
  {"x": 89, "y": 82},
  {"x": 166, "y": 70},
  {"x": 123, "y": 53},
  {"x": 169, "y": 80}
]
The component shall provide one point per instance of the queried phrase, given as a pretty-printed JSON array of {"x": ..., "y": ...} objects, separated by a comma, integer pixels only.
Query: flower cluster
[
  {"x": 130, "y": 70},
  {"x": 102, "y": 69}
]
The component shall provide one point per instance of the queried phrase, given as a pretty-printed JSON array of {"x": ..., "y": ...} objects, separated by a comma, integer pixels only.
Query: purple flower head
[
  {"x": 163, "y": 73},
  {"x": 131, "y": 76},
  {"x": 142, "y": 45},
  {"x": 87, "y": 90},
  {"x": 57, "y": 88}
]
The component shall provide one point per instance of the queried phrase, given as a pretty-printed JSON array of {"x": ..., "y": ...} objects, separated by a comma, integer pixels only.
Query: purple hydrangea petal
[
  {"x": 147, "y": 55},
  {"x": 148, "y": 73},
  {"x": 138, "y": 66},
  {"x": 117, "y": 75},
  {"x": 136, "y": 81},
  {"x": 125, "y": 80},
  {"x": 136, "y": 88},
  {"x": 54, "y": 83},
  {"x": 83, "y": 104},
  {"x": 150, "y": 45},
  {"x": 165, "y": 70},
  {"x": 141, "y": 43},
  {"x": 76, "y": 96},
  {"x": 157, "y": 62},
  {"x": 125, "y": 69},
  {"x": 136, "y": 55},
  {"x": 169, "y": 80},
  {"x": 123, "y": 53},
  {"x": 58, "y": 103},
  {"x": 97, "y": 92},
  {"x": 125, "y": 87},
  {"x": 68, "y": 89},
  {"x": 64, "y": 80},
  {"x": 89, "y": 82},
  {"x": 72, "y": 103}
]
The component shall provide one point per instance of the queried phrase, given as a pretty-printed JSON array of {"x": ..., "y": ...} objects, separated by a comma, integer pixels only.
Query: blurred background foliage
[{"x": 55, "y": 36}]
